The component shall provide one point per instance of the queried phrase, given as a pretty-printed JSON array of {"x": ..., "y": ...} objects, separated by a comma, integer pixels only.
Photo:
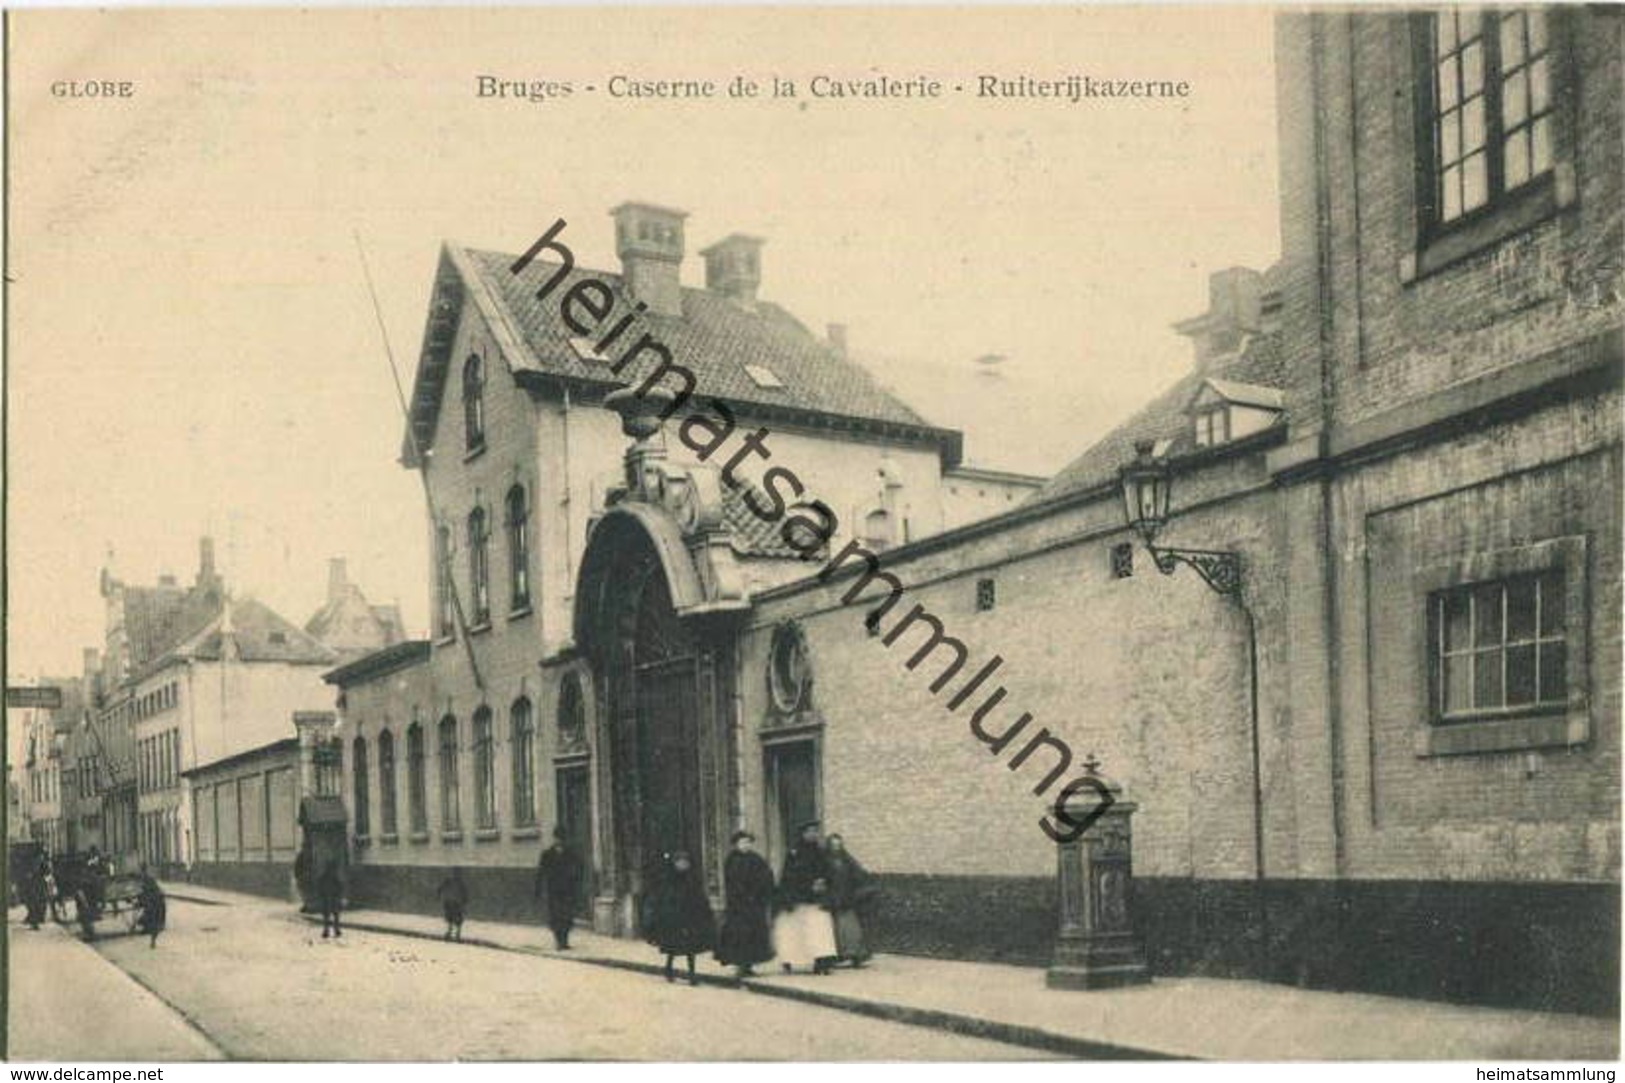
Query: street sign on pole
[{"x": 46, "y": 696}]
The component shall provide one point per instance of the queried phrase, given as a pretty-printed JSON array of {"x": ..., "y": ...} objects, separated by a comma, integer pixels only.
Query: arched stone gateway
[{"x": 656, "y": 625}]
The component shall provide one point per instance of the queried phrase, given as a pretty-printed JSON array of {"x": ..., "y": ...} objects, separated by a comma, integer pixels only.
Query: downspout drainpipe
[{"x": 1260, "y": 899}]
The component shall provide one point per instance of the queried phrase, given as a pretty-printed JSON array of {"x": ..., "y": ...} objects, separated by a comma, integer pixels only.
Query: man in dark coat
[
  {"x": 330, "y": 898},
  {"x": 558, "y": 880},
  {"x": 746, "y": 938},
  {"x": 677, "y": 915},
  {"x": 153, "y": 907},
  {"x": 454, "y": 903}
]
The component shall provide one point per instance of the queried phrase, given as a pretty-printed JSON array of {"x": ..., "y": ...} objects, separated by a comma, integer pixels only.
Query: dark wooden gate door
[{"x": 669, "y": 760}]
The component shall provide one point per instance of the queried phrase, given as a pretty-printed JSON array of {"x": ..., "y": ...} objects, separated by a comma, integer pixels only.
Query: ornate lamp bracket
[{"x": 1219, "y": 570}]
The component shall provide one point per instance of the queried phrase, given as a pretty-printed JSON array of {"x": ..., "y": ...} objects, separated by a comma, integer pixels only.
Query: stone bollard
[{"x": 1095, "y": 947}]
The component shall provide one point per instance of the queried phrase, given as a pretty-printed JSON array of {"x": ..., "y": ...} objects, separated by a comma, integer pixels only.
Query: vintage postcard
[{"x": 814, "y": 534}]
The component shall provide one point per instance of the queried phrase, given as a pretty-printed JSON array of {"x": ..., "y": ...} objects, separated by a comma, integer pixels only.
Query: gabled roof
[
  {"x": 156, "y": 618},
  {"x": 1257, "y": 363},
  {"x": 715, "y": 337},
  {"x": 1265, "y": 398},
  {"x": 260, "y": 635}
]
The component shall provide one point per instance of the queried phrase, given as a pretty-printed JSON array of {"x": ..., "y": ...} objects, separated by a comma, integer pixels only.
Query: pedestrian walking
[
  {"x": 746, "y": 938},
  {"x": 558, "y": 882},
  {"x": 36, "y": 893},
  {"x": 851, "y": 888},
  {"x": 95, "y": 881},
  {"x": 803, "y": 929},
  {"x": 154, "y": 909},
  {"x": 454, "y": 903},
  {"x": 678, "y": 917},
  {"x": 330, "y": 897},
  {"x": 53, "y": 889}
]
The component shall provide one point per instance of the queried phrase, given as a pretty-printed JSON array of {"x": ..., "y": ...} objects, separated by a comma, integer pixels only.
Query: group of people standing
[{"x": 809, "y": 918}]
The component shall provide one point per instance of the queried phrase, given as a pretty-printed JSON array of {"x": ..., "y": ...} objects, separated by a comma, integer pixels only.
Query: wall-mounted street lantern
[
  {"x": 1147, "y": 485},
  {"x": 1147, "y": 482}
]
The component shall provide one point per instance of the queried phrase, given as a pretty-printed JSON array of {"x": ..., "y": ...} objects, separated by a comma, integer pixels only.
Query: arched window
[
  {"x": 417, "y": 795},
  {"x": 479, "y": 566},
  {"x": 485, "y": 790},
  {"x": 445, "y": 606},
  {"x": 518, "y": 549},
  {"x": 451, "y": 815},
  {"x": 877, "y": 530},
  {"x": 358, "y": 769},
  {"x": 572, "y": 719},
  {"x": 386, "y": 783},
  {"x": 524, "y": 773},
  {"x": 474, "y": 402}
]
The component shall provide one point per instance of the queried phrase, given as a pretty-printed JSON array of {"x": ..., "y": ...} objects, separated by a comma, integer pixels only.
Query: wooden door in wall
[
  {"x": 669, "y": 762},
  {"x": 574, "y": 812}
]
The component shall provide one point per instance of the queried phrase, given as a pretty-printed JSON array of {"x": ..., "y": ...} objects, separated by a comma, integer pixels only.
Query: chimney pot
[
  {"x": 733, "y": 267},
  {"x": 337, "y": 579},
  {"x": 649, "y": 242},
  {"x": 205, "y": 562},
  {"x": 837, "y": 337}
]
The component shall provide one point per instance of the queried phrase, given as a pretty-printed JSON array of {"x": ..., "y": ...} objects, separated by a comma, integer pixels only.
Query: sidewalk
[
  {"x": 57, "y": 982},
  {"x": 1201, "y": 1018}
]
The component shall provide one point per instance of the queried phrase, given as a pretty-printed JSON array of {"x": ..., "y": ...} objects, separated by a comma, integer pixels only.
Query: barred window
[
  {"x": 1500, "y": 646},
  {"x": 445, "y": 604},
  {"x": 417, "y": 798},
  {"x": 524, "y": 772},
  {"x": 363, "y": 799},
  {"x": 451, "y": 816},
  {"x": 479, "y": 566},
  {"x": 485, "y": 791},
  {"x": 518, "y": 548},
  {"x": 386, "y": 783},
  {"x": 474, "y": 402}
]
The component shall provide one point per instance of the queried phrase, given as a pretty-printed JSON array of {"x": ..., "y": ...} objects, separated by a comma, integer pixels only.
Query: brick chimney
[
  {"x": 337, "y": 579},
  {"x": 205, "y": 562},
  {"x": 733, "y": 267},
  {"x": 1234, "y": 305},
  {"x": 836, "y": 334},
  {"x": 649, "y": 241}
]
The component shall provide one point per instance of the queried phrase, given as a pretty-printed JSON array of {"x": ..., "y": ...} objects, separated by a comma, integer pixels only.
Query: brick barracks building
[{"x": 1390, "y": 762}]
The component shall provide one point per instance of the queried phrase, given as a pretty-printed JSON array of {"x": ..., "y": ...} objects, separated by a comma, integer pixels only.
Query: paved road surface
[{"x": 265, "y": 987}]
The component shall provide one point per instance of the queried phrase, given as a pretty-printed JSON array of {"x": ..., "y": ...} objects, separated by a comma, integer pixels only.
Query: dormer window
[
  {"x": 763, "y": 376},
  {"x": 1226, "y": 410},
  {"x": 1212, "y": 426}
]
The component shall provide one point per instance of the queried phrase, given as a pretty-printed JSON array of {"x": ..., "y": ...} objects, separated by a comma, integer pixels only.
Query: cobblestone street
[{"x": 261, "y": 985}]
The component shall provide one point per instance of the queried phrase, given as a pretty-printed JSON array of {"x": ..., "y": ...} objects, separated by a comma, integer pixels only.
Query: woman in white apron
[{"x": 803, "y": 930}]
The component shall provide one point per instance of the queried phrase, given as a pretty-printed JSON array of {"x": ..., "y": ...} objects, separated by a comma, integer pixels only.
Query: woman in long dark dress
[
  {"x": 747, "y": 937},
  {"x": 851, "y": 888},
  {"x": 679, "y": 920}
]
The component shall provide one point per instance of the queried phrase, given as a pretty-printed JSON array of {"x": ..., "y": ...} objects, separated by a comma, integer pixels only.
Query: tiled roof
[
  {"x": 752, "y": 535},
  {"x": 156, "y": 618},
  {"x": 715, "y": 337},
  {"x": 260, "y": 635},
  {"x": 1258, "y": 362}
]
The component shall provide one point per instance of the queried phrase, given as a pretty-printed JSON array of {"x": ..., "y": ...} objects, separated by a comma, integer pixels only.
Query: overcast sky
[{"x": 192, "y": 349}]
